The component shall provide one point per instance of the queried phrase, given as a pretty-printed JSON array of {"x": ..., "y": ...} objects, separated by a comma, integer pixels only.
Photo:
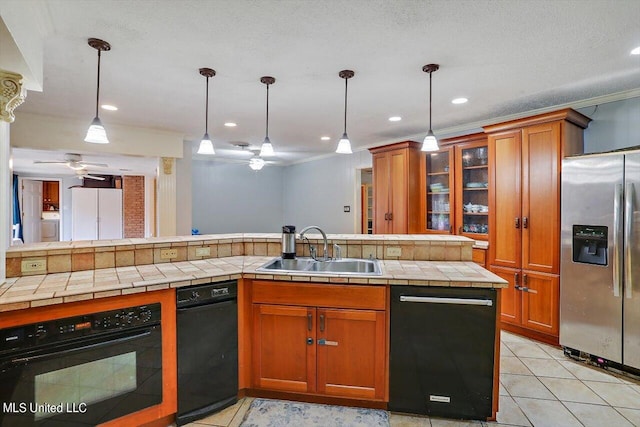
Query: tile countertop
[{"x": 35, "y": 291}]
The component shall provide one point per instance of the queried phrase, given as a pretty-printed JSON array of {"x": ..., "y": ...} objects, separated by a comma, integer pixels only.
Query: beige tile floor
[{"x": 539, "y": 387}]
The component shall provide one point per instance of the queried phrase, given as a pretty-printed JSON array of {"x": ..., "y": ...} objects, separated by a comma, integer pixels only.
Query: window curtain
[{"x": 16, "y": 207}]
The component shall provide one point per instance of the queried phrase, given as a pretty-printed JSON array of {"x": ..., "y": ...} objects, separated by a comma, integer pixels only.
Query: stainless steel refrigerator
[{"x": 600, "y": 258}]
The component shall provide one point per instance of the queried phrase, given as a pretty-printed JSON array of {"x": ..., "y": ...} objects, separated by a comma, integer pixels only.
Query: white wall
[
  {"x": 43, "y": 132},
  {"x": 230, "y": 198},
  {"x": 615, "y": 125},
  {"x": 315, "y": 192}
]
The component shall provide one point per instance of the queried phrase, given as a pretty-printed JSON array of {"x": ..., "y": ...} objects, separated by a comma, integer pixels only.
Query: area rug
[{"x": 282, "y": 413}]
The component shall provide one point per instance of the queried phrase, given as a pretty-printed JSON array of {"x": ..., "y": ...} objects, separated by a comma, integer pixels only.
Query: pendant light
[
  {"x": 96, "y": 133},
  {"x": 430, "y": 142},
  {"x": 344, "y": 145},
  {"x": 267, "y": 148},
  {"x": 206, "y": 146}
]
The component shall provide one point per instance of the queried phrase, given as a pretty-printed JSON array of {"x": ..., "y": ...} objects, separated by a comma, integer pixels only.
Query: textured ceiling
[{"x": 507, "y": 57}]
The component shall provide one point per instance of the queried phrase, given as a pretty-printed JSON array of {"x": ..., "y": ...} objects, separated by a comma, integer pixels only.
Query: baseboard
[
  {"x": 528, "y": 333},
  {"x": 315, "y": 398}
]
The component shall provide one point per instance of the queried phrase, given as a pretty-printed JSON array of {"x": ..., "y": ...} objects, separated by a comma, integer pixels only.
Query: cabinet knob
[
  {"x": 309, "y": 341},
  {"x": 525, "y": 222},
  {"x": 517, "y": 222}
]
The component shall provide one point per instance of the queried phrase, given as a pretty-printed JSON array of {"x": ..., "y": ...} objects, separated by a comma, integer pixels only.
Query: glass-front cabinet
[
  {"x": 439, "y": 200},
  {"x": 456, "y": 188},
  {"x": 472, "y": 191}
]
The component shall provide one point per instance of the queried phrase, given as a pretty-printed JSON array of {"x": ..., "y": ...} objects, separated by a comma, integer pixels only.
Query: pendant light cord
[
  {"x": 206, "y": 109},
  {"x": 267, "y": 120},
  {"x": 98, "y": 85},
  {"x": 430, "y": 93},
  {"x": 345, "y": 104}
]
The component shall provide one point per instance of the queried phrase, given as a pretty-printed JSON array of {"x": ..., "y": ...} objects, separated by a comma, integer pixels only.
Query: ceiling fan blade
[
  {"x": 58, "y": 162},
  {"x": 99, "y": 165},
  {"x": 97, "y": 178}
]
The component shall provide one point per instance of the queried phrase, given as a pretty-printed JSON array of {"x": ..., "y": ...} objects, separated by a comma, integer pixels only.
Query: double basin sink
[{"x": 343, "y": 266}]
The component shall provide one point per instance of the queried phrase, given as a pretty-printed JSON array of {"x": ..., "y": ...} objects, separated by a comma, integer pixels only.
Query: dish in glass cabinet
[{"x": 476, "y": 185}]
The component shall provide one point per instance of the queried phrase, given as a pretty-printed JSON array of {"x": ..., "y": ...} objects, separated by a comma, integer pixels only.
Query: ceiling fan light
[
  {"x": 206, "y": 146},
  {"x": 96, "y": 133},
  {"x": 256, "y": 163},
  {"x": 76, "y": 166},
  {"x": 344, "y": 145},
  {"x": 430, "y": 142},
  {"x": 266, "y": 149}
]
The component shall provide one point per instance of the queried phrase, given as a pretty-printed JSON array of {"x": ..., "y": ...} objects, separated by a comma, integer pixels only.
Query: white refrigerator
[{"x": 96, "y": 213}]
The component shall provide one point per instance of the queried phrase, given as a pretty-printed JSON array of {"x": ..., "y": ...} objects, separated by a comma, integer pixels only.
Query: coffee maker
[{"x": 288, "y": 241}]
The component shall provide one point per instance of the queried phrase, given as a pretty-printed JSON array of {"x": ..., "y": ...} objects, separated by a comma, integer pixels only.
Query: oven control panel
[{"x": 60, "y": 330}]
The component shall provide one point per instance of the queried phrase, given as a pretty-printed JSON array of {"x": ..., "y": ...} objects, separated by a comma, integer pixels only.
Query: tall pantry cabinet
[
  {"x": 524, "y": 227},
  {"x": 396, "y": 186},
  {"x": 96, "y": 213}
]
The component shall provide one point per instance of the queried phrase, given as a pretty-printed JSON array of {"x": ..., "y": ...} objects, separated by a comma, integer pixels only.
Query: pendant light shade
[
  {"x": 206, "y": 146},
  {"x": 430, "y": 142},
  {"x": 96, "y": 133},
  {"x": 267, "y": 147},
  {"x": 344, "y": 145}
]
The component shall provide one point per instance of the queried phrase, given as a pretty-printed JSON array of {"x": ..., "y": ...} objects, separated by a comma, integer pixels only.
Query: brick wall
[{"x": 133, "y": 206}]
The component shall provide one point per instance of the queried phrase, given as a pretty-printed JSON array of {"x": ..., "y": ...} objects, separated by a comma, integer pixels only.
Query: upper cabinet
[
  {"x": 50, "y": 195},
  {"x": 455, "y": 188},
  {"x": 396, "y": 188}
]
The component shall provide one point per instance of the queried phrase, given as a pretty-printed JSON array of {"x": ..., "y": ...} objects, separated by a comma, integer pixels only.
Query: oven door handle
[{"x": 56, "y": 353}]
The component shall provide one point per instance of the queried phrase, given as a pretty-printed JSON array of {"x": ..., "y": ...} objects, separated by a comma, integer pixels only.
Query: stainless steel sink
[
  {"x": 344, "y": 266},
  {"x": 287, "y": 265}
]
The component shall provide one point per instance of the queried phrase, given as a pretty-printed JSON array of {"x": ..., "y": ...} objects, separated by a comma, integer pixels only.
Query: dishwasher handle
[{"x": 440, "y": 300}]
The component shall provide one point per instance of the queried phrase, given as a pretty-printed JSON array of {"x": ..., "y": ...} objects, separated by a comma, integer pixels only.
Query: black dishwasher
[
  {"x": 442, "y": 351},
  {"x": 207, "y": 335}
]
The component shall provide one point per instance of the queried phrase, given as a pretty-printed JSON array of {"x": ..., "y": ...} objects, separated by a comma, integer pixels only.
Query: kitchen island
[{"x": 82, "y": 275}]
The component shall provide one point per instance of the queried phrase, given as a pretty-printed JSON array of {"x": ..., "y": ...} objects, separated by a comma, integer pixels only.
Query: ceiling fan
[
  {"x": 80, "y": 173},
  {"x": 73, "y": 161}
]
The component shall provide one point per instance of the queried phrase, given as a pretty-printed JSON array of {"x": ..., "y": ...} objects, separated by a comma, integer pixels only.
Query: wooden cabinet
[
  {"x": 455, "y": 188},
  {"x": 284, "y": 356},
  {"x": 349, "y": 355},
  {"x": 50, "y": 195},
  {"x": 396, "y": 184},
  {"x": 303, "y": 345},
  {"x": 524, "y": 228}
]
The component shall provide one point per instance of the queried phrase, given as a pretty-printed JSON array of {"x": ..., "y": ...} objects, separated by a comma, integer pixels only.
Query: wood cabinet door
[
  {"x": 351, "y": 353},
  {"x": 505, "y": 220},
  {"x": 540, "y": 297},
  {"x": 510, "y": 297},
  {"x": 284, "y": 348},
  {"x": 398, "y": 185},
  {"x": 381, "y": 193},
  {"x": 541, "y": 198}
]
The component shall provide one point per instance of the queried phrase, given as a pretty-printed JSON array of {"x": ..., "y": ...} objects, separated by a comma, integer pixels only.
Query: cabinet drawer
[
  {"x": 479, "y": 256},
  {"x": 319, "y": 295}
]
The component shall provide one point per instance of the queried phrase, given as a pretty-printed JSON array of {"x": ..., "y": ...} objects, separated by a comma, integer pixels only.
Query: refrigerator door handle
[
  {"x": 628, "y": 235},
  {"x": 617, "y": 241}
]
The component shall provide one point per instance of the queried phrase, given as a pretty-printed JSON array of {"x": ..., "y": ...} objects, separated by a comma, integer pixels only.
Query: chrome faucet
[{"x": 325, "y": 250}]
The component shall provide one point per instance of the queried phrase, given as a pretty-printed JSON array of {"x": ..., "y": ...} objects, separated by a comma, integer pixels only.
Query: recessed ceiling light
[
  {"x": 325, "y": 138},
  {"x": 636, "y": 51},
  {"x": 230, "y": 124},
  {"x": 109, "y": 107},
  {"x": 459, "y": 101},
  {"x": 395, "y": 118}
]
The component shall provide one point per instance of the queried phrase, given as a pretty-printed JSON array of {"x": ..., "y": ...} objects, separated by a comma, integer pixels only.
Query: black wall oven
[{"x": 82, "y": 370}]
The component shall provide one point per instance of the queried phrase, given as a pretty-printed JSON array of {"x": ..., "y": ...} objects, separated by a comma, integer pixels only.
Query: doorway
[
  {"x": 39, "y": 202},
  {"x": 366, "y": 201}
]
